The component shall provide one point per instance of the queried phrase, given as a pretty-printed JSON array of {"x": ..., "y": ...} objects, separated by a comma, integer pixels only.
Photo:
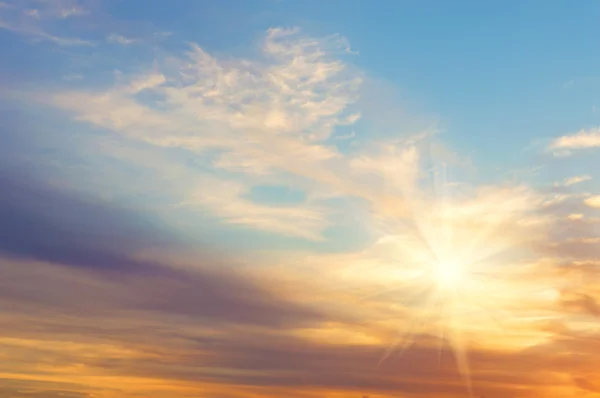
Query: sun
[{"x": 448, "y": 274}]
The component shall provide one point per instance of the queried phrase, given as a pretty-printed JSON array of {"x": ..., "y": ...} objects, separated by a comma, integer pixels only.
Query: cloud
[
  {"x": 57, "y": 9},
  {"x": 15, "y": 388},
  {"x": 225, "y": 200},
  {"x": 119, "y": 39},
  {"x": 263, "y": 117},
  {"x": 266, "y": 117},
  {"x": 205, "y": 293},
  {"x": 587, "y": 385},
  {"x": 582, "y": 303},
  {"x": 584, "y": 139},
  {"x": 299, "y": 95},
  {"x": 196, "y": 331},
  {"x": 61, "y": 41},
  {"x": 47, "y": 223},
  {"x": 199, "y": 331},
  {"x": 573, "y": 180},
  {"x": 88, "y": 243},
  {"x": 140, "y": 351},
  {"x": 82, "y": 255},
  {"x": 37, "y": 20},
  {"x": 593, "y": 201}
]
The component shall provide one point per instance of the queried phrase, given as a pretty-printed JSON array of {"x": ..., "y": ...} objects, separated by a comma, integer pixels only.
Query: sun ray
[{"x": 460, "y": 266}]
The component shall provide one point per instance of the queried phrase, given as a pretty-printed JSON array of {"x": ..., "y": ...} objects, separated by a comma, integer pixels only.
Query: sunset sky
[{"x": 300, "y": 199}]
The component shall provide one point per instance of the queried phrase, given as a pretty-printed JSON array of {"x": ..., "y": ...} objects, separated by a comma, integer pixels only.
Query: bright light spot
[{"x": 448, "y": 274}]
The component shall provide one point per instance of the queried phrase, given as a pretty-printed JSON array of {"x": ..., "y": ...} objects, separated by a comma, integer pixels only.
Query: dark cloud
[
  {"x": 42, "y": 218},
  {"x": 583, "y": 304},
  {"x": 41, "y": 222},
  {"x": 205, "y": 295}
]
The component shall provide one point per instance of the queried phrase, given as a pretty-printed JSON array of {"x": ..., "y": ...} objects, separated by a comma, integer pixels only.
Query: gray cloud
[
  {"x": 71, "y": 253},
  {"x": 40, "y": 222}
]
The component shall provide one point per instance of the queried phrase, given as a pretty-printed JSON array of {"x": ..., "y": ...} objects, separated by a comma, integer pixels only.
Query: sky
[{"x": 304, "y": 199}]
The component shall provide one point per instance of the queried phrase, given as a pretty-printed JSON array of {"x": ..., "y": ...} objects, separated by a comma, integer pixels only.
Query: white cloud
[
  {"x": 119, "y": 39},
  {"x": 573, "y": 180},
  {"x": 32, "y": 19},
  {"x": 563, "y": 153},
  {"x": 224, "y": 199},
  {"x": 268, "y": 117},
  {"x": 56, "y": 9},
  {"x": 264, "y": 116},
  {"x": 581, "y": 140},
  {"x": 593, "y": 201},
  {"x": 296, "y": 97},
  {"x": 61, "y": 41}
]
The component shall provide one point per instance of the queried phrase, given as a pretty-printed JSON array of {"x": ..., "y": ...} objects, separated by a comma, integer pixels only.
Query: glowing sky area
[{"x": 303, "y": 199}]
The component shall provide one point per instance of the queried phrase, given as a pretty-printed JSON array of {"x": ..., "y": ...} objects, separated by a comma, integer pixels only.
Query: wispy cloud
[
  {"x": 119, "y": 39},
  {"x": 299, "y": 95},
  {"x": 573, "y": 180},
  {"x": 61, "y": 41},
  {"x": 57, "y": 9},
  {"x": 265, "y": 117},
  {"x": 584, "y": 139},
  {"x": 225, "y": 200},
  {"x": 33, "y": 19},
  {"x": 268, "y": 115}
]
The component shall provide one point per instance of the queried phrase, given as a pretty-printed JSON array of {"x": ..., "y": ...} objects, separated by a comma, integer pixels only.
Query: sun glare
[{"x": 448, "y": 274}]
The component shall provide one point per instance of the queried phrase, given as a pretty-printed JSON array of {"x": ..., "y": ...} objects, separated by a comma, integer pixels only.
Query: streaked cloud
[
  {"x": 573, "y": 180},
  {"x": 46, "y": 223},
  {"x": 283, "y": 101},
  {"x": 225, "y": 200},
  {"x": 119, "y": 39},
  {"x": 143, "y": 335},
  {"x": 584, "y": 139},
  {"x": 262, "y": 118},
  {"x": 34, "y": 19}
]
